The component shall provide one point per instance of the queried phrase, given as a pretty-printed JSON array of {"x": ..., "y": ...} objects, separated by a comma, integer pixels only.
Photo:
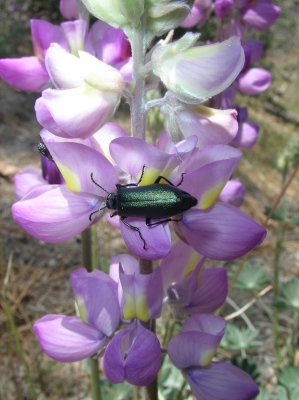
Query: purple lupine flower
[
  {"x": 254, "y": 81},
  {"x": 140, "y": 296},
  {"x": 223, "y": 7},
  {"x": 134, "y": 355},
  {"x": 247, "y": 132},
  {"x": 197, "y": 342},
  {"x": 233, "y": 193},
  {"x": 198, "y": 14},
  {"x": 260, "y": 14},
  {"x": 69, "y": 9},
  {"x": 191, "y": 290},
  {"x": 208, "y": 125},
  {"x": 68, "y": 339},
  {"x": 193, "y": 349},
  {"x": 88, "y": 91}
]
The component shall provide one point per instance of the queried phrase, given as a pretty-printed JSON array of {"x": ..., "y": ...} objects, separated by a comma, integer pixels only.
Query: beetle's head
[{"x": 111, "y": 201}]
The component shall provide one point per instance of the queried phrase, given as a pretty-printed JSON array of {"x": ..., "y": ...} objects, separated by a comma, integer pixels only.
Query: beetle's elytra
[{"x": 156, "y": 201}]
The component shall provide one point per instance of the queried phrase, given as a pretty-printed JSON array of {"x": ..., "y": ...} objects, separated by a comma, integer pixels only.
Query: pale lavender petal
[
  {"x": 77, "y": 162},
  {"x": 254, "y": 81},
  {"x": 75, "y": 32},
  {"x": 96, "y": 292},
  {"x": 233, "y": 193},
  {"x": 67, "y": 339},
  {"x": 26, "y": 180},
  {"x": 210, "y": 293},
  {"x": 209, "y": 125},
  {"x": 133, "y": 355},
  {"x": 221, "y": 381},
  {"x": 25, "y": 73},
  {"x": 212, "y": 178},
  {"x": 77, "y": 113},
  {"x": 129, "y": 264},
  {"x": 157, "y": 239},
  {"x": 222, "y": 233},
  {"x": 261, "y": 15},
  {"x": 247, "y": 135},
  {"x": 126, "y": 69},
  {"x": 44, "y": 34},
  {"x": 54, "y": 213},
  {"x": 131, "y": 154},
  {"x": 197, "y": 343}
]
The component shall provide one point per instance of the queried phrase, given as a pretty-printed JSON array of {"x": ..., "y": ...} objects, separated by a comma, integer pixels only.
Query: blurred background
[{"x": 34, "y": 276}]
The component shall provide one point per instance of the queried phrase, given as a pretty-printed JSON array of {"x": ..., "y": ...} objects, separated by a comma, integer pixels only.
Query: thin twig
[{"x": 242, "y": 310}]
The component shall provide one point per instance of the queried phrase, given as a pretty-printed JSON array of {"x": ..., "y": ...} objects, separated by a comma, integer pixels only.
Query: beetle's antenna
[
  {"x": 101, "y": 187},
  {"x": 94, "y": 212},
  {"x": 142, "y": 173}
]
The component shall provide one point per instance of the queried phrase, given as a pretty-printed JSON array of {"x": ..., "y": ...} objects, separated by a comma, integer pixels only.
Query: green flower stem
[
  {"x": 89, "y": 258},
  {"x": 138, "y": 114}
]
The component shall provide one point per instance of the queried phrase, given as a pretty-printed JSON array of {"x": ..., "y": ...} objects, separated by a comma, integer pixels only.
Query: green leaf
[
  {"x": 239, "y": 339},
  {"x": 289, "y": 378},
  {"x": 252, "y": 277}
]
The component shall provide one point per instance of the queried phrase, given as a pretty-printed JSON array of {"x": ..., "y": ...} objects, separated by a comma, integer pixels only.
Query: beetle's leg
[
  {"x": 101, "y": 187},
  {"x": 149, "y": 223},
  {"x": 141, "y": 176},
  {"x": 94, "y": 212},
  {"x": 134, "y": 184},
  {"x": 160, "y": 177},
  {"x": 135, "y": 228},
  {"x": 113, "y": 214}
]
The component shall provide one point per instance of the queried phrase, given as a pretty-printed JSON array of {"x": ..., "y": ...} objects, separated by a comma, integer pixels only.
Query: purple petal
[
  {"x": 254, "y": 81},
  {"x": 25, "y": 73},
  {"x": 212, "y": 178},
  {"x": 97, "y": 293},
  {"x": 142, "y": 295},
  {"x": 221, "y": 381},
  {"x": 77, "y": 162},
  {"x": 157, "y": 238},
  {"x": 54, "y": 213},
  {"x": 69, "y": 9},
  {"x": 129, "y": 264},
  {"x": 210, "y": 293},
  {"x": 44, "y": 34},
  {"x": 67, "y": 339},
  {"x": 255, "y": 49},
  {"x": 133, "y": 355},
  {"x": 131, "y": 154},
  {"x": 198, "y": 14},
  {"x": 197, "y": 342},
  {"x": 233, "y": 193},
  {"x": 261, "y": 15},
  {"x": 181, "y": 260},
  {"x": 247, "y": 135},
  {"x": 222, "y": 233},
  {"x": 26, "y": 180},
  {"x": 223, "y": 7}
]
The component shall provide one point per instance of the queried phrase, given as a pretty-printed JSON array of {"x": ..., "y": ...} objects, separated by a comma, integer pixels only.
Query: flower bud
[
  {"x": 164, "y": 15},
  {"x": 118, "y": 13},
  {"x": 194, "y": 74}
]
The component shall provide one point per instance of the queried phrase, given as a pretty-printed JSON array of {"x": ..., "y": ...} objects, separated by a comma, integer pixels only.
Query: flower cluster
[{"x": 91, "y": 165}]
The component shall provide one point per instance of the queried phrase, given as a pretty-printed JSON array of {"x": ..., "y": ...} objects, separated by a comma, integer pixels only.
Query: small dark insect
[
  {"x": 42, "y": 148},
  {"x": 156, "y": 201}
]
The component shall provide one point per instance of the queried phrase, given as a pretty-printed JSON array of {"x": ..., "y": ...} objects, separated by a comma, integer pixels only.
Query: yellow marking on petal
[
  {"x": 71, "y": 179},
  {"x": 129, "y": 310},
  {"x": 142, "y": 311},
  {"x": 206, "y": 358},
  {"x": 81, "y": 309},
  {"x": 191, "y": 263},
  {"x": 210, "y": 196},
  {"x": 149, "y": 176},
  {"x": 206, "y": 111}
]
